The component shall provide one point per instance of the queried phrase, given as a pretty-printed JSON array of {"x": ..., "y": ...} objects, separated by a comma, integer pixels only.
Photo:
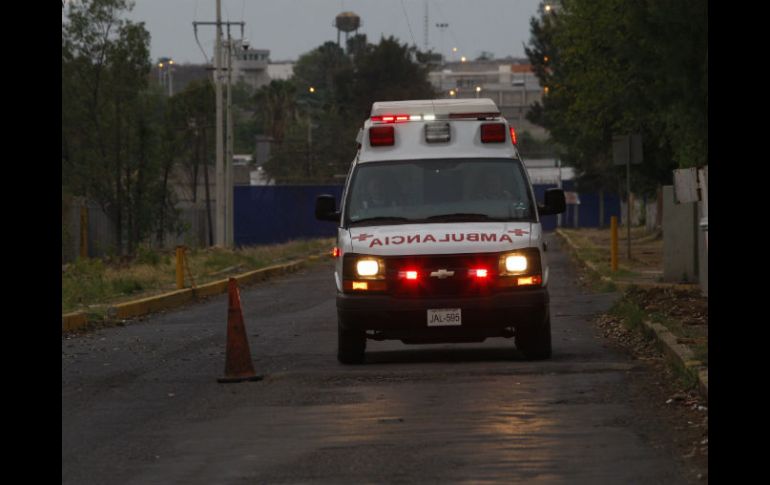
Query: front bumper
[{"x": 386, "y": 317}]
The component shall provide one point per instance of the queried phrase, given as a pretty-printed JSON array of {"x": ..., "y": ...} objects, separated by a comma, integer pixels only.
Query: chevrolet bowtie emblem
[{"x": 442, "y": 273}]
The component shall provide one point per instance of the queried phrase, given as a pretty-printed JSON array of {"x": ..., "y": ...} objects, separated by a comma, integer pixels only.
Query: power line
[{"x": 408, "y": 24}]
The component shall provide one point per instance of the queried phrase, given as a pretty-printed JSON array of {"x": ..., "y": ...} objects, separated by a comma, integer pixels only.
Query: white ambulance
[{"x": 439, "y": 236}]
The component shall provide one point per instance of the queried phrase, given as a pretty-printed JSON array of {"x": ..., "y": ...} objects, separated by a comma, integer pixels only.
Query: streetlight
[
  {"x": 478, "y": 90},
  {"x": 170, "y": 77},
  {"x": 452, "y": 92},
  {"x": 463, "y": 59},
  {"x": 167, "y": 64}
]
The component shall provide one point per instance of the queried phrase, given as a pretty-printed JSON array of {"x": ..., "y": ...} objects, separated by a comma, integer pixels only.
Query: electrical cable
[{"x": 408, "y": 24}]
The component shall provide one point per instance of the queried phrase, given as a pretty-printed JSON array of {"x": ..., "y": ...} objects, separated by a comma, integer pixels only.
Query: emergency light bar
[
  {"x": 402, "y": 118},
  {"x": 437, "y": 107}
]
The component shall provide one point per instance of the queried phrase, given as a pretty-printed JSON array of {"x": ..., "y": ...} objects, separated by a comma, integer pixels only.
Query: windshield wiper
[
  {"x": 381, "y": 219},
  {"x": 463, "y": 216}
]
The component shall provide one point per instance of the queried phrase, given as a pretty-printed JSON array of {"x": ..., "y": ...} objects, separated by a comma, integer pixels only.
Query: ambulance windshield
[{"x": 439, "y": 191}]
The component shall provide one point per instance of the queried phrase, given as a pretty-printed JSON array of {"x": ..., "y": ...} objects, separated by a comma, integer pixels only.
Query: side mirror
[
  {"x": 554, "y": 203},
  {"x": 325, "y": 209}
]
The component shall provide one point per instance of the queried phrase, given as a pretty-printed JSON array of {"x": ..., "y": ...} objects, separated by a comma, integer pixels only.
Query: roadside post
[
  {"x": 614, "y": 243},
  {"x": 83, "y": 231},
  {"x": 179, "y": 267},
  {"x": 627, "y": 150}
]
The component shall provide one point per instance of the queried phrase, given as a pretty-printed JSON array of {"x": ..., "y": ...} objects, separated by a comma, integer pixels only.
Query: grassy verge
[
  {"x": 91, "y": 284},
  {"x": 629, "y": 310},
  {"x": 598, "y": 256},
  {"x": 676, "y": 314},
  {"x": 682, "y": 311}
]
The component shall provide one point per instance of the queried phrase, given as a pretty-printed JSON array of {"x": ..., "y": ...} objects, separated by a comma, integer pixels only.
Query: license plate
[{"x": 443, "y": 317}]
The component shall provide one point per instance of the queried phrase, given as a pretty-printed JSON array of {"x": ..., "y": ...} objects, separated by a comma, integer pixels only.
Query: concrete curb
[
  {"x": 681, "y": 355},
  {"x": 132, "y": 309},
  {"x": 72, "y": 321}
]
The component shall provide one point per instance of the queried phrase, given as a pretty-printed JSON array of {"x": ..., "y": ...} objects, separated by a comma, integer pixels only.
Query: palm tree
[{"x": 277, "y": 104}]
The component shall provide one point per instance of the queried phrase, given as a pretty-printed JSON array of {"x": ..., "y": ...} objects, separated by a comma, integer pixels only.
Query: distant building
[
  {"x": 510, "y": 83},
  {"x": 250, "y": 65},
  {"x": 280, "y": 70},
  {"x": 547, "y": 171}
]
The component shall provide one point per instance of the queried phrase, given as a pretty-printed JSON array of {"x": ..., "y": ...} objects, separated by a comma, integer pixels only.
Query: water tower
[{"x": 346, "y": 22}]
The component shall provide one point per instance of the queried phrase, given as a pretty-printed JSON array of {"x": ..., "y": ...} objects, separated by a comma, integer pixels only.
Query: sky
[{"x": 289, "y": 28}]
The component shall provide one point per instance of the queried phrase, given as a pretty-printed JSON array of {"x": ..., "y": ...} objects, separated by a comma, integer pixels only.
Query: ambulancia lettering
[{"x": 446, "y": 237}]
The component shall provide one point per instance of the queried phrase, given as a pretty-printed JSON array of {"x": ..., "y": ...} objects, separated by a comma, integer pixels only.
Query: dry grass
[{"x": 89, "y": 285}]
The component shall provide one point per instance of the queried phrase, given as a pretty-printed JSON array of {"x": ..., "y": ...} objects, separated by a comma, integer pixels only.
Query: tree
[
  {"x": 276, "y": 107},
  {"x": 621, "y": 67},
  {"x": 345, "y": 86},
  {"x": 388, "y": 72},
  {"x": 191, "y": 127},
  {"x": 110, "y": 119}
]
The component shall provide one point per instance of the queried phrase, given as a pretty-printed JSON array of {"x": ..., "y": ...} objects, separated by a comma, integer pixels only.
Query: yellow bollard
[
  {"x": 614, "y": 243},
  {"x": 179, "y": 267}
]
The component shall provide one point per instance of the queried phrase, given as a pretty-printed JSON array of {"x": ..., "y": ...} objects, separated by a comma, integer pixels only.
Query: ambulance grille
[{"x": 451, "y": 275}]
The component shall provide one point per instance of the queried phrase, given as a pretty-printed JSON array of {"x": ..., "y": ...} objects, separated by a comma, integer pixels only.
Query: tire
[
  {"x": 535, "y": 341},
  {"x": 351, "y": 346}
]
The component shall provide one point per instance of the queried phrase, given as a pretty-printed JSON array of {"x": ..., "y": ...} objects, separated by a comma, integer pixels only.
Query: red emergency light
[
  {"x": 409, "y": 274},
  {"x": 479, "y": 273},
  {"x": 382, "y": 136},
  {"x": 391, "y": 118},
  {"x": 513, "y": 135},
  {"x": 493, "y": 133}
]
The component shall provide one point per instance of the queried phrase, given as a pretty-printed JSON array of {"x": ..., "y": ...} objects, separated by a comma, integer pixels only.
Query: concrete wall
[
  {"x": 680, "y": 244},
  {"x": 703, "y": 261}
]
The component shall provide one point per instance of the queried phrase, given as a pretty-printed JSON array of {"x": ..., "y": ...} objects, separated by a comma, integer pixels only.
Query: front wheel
[
  {"x": 535, "y": 341},
  {"x": 351, "y": 345}
]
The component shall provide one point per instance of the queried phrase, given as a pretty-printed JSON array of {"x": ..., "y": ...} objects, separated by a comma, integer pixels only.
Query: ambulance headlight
[
  {"x": 515, "y": 263},
  {"x": 367, "y": 267},
  {"x": 520, "y": 268}
]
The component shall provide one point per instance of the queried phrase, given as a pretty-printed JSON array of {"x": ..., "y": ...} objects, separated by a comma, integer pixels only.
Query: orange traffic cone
[{"x": 238, "y": 366}]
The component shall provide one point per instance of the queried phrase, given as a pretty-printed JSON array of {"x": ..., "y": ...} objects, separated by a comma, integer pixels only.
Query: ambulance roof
[
  {"x": 409, "y": 138},
  {"x": 435, "y": 106}
]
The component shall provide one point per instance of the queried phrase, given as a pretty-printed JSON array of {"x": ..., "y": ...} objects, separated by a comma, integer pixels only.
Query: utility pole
[
  {"x": 220, "y": 239},
  {"x": 223, "y": 235},
  {"x": 229, "y": 160}
]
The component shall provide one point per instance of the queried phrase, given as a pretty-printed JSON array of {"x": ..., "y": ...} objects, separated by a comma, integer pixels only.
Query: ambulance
[{"x": 439, "y": 237}]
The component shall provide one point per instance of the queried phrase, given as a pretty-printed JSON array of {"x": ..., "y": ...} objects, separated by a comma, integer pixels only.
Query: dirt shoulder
[
  {"x": 680, "y": 308},
  {"x": 648, "y": 309}
]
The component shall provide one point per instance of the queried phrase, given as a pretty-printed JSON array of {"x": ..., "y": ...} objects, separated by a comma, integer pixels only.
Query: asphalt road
[{"x": 141, "y": 403}]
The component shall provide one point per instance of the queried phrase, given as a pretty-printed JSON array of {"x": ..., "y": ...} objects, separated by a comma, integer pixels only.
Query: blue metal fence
[
  {"x": 587, "y": 212},
  {"x": 268, "y": 214},
  {"x": 279, "y": 213}
]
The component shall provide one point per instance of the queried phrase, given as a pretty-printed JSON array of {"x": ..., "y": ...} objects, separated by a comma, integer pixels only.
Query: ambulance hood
[{"x": 442, "y": 238}]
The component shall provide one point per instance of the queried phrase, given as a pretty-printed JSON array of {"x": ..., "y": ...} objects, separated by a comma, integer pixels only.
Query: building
[
  {"x": 510, "y": 83},
  {"x": 250, "y": 65},
  {"x": 280, "y": 70}
]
